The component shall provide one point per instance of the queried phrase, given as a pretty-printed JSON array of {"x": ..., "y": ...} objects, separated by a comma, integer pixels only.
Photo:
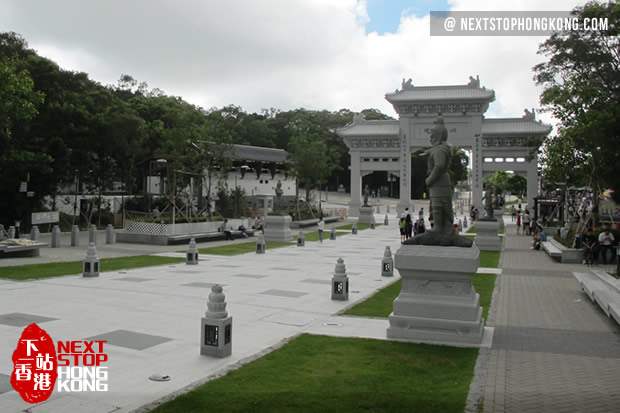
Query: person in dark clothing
[
  {"x": 589, "y": 247},
  {"x": 408, "y": 226},
  {"x": 421, "y": 227}
]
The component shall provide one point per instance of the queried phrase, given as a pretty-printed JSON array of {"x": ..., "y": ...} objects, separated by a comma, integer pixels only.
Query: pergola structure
[{"x": 496, "y": 144}]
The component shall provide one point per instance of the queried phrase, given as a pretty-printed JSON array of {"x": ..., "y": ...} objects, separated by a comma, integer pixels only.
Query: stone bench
[
  {"x": 11, "y": 251},
  {"x": 314, "y": 221},
  {"x": 551, "y": 249},
  {"x": 565, "y": 255},
  {"x": 206, "y": 236},
  {"x": 602, "y": 289}
]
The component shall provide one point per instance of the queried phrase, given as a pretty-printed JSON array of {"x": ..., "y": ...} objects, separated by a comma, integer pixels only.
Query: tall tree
[
  {"x": 311, "y": 160},
  {"x": 582, "y": 89}
]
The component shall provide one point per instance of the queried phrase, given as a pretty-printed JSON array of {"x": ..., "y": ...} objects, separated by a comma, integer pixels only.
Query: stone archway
[{"x": 387, "y": 145}]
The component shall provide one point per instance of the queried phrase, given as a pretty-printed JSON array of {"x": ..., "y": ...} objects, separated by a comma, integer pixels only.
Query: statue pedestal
[
  {"x": 437, "y": 303},
  {"x": 499, "y": 215},
  {"x": 366, "y": 214},
  {"x": 486, "y": 236},
  {"x": 278, "y": 228}
]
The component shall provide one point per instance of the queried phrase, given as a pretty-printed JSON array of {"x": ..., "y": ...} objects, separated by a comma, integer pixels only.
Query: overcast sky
[{"x": 286, "y": 54}]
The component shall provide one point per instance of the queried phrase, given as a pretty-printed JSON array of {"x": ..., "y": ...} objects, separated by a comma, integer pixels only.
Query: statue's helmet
[{"x": 440, "y": 128}]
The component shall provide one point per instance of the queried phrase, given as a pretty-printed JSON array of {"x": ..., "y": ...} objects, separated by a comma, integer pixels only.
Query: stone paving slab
[
  {"x": 154, "y": 324},
  {"x": 553, "y": 349}
]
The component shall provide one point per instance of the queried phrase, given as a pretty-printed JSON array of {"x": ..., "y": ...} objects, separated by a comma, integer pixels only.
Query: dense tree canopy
[
  {"x": 581, "y": 83},
  {"x": 59, "y": 128}
]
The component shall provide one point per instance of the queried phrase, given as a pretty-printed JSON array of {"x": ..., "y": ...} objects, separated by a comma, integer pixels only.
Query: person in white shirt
[
  {"x": 606, "y": 241},
  {"x": 321, "y": 229}
]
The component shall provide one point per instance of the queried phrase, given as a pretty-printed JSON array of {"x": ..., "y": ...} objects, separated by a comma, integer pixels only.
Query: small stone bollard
[
  {"x": 387, "y": 263},
  {"x": 332, "y": 234},
  {"x": 460, "y": 225},
  {"x": 378, "y": 209},
  {"x": 75, "y": 236},
  {"x": 192, "y": 253},
  {"x": 386, "y": 221},
  {"x": 354, "y": 229},
  {"x": 388, "y": 209},
  {"x": 373, "y": 224},
  {"x": 56, "y": 236},
  {"x": 110, "y": 235},
  {"x": 260, "y": 245},
  {"x": 216, "y": 326},
  {"x": 91, "y": 262},
  {"x": 340, "y": 282},
  {"x": 465, "y": 222},
  {"x": 11, "y": 232},
  {"x": 92, "y": 234},
  {"x": 301, "y": 241},
  {"x": 35, "y": 233}
]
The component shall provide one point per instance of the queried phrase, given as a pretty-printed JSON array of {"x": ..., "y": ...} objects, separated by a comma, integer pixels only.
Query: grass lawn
[
  {"x": 472, "y": 230},
  {"x": 489, "y": 259},
  {"x": 380, "y": 304},
  {"x": 56, "y": 269},
  {"x": 331, "y": 374},
  {"x": 314, "y": 236},
  {"x": 245, "y": 247},
  {"x": 360, "y": 227}
]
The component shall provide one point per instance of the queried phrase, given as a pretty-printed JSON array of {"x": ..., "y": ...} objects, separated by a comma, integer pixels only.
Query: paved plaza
[{"x": 552, "y": 350}]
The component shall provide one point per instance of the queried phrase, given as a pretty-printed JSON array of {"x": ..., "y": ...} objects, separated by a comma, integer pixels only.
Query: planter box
[{"x": 569, "y": 255}]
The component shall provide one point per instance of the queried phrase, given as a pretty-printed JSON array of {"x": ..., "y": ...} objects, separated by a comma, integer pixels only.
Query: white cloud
[{"x": 275, "y": 53}]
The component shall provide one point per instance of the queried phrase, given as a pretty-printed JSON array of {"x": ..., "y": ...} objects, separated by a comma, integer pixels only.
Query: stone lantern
[
  {"x": 192, "y": 253},
  {"x": 91, "y": 262},
  {"x": 260, "y": 245},
  {"x": 387, "y": 263},
  {"x": 216, "y": 326},
  {"x": 340, "y": 282}
]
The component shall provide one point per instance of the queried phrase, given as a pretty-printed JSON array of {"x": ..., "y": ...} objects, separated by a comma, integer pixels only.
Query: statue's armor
[{"x": 442, "y": 187}]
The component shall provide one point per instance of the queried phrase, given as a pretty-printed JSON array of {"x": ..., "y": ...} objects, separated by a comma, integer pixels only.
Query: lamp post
[{"x": 77, "y": 183}]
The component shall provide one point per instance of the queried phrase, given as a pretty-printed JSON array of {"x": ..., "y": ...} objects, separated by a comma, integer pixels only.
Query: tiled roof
[
  {"x": 513, "y": 126},
  {"x": 439, "y": 93},
  {"x": 370, "y": 128},
  {"x": 256, "y": 153}
]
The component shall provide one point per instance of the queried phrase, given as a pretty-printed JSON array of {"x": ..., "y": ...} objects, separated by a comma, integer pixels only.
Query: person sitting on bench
[{"x": 225, "y": 230}]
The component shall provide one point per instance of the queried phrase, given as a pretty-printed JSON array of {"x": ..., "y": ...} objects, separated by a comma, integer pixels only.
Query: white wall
[{"x": 263, "y": 185}]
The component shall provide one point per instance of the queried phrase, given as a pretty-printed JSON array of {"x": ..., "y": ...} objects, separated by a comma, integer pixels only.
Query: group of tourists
[
  {"x": 408, "y": 228},
  {"x": 598, "y": 247},
  {"x": 523, "y": 219}
]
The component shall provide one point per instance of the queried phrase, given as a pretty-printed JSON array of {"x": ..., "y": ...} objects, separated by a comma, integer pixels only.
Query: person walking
[
  {"x": 321, "y": 229},
  {"x": 513, "y": 212},
  {"x": 401, "y": 227},
  {"x": 526, "y": 222},
  {"x": 518, "y": 221},
  {"x": 408, "y": 227}
]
